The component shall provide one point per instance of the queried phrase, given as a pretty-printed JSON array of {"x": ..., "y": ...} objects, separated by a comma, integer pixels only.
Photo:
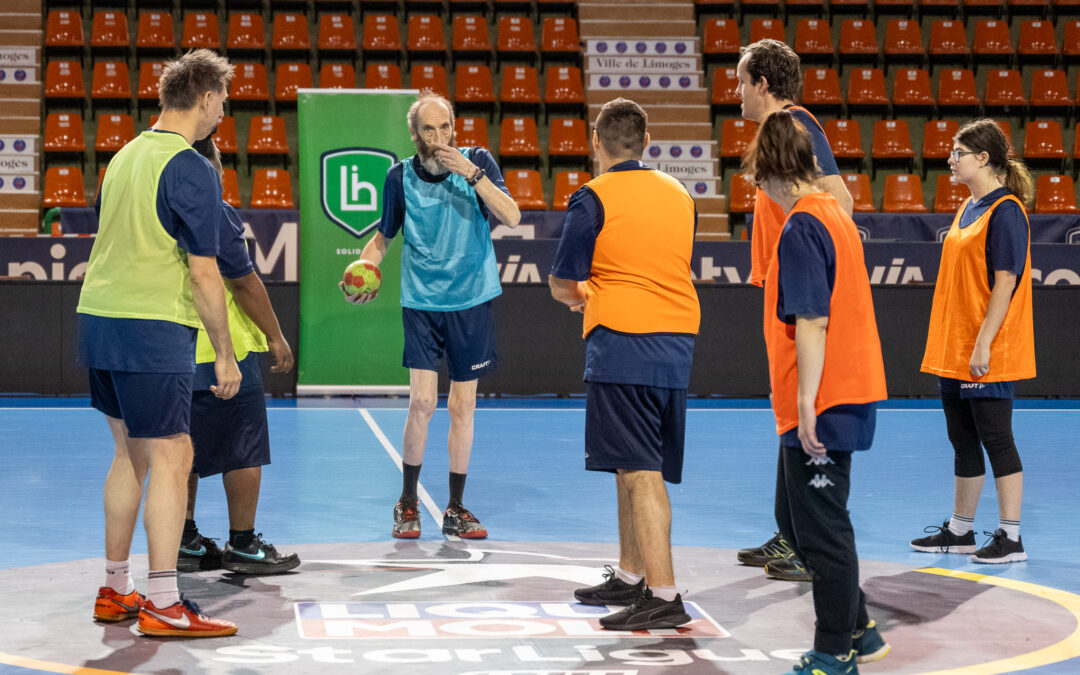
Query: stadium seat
[
  {"x": 1055, "y": 194},
  {"x": 290, "y": 37},
  {"x": 821, "y": 89},
  {"x": 63, "y": 187},
  {"x": 937, "y": 143},
  {"x": 1043, "y": 144},
  {"x": 201, "y": 31},
  {"x": 566, "y": 184},
  {"x": 520, "y": 88},
  {"x": 559, "y": 39},
  {"x": 743, "y": 194},
  {"x": 903, "y": 194},
  {"x": 813, "y": 41},
  {"x": 337, "y": 76},
  {"x": 1006, "y": 128},
  {"x": 470, "y": 38},
  {"x": 735, "y": 137},
  {"x": 858, "y": 42},
  {"x": 64, "y": 133},
  {"x": 290, "y": 77},
  {"x": 381, "y": 36},
  {"x": 767, "y": 29},
  {"x": 892, "y": 144},
  {"x": 271, "y": 189},
  {"x": 903, "y": 42},
  {"x": 155, "y": 32},
  {"x": 266, "y": 136},
  {"x": 518, "y": 138},
  {"x": 113, "y": 132},
  {"x": 431, "y": 76},
  {"x": 109, "y": 31},
  {"x": 1005, "y": 92},
  {"x": 64, "y": 80},
  {"x": 858, "y": 185},
  {"x": 111, "y": 83},
  {"x": 149, "y": 74},
  {"x": 225, "y": 137},
  {"x": 426, "y": 38},
  {"x": 1038, "y": 42},
  {"x": 1061, "y": 8},
  {"x": 1028, "y": 7},
  {"x": 337, "y": 35},
  {"x": 911, "y": 91},
  {"x": 992, "y": 43},
  {"x": 382, "y": 76},
  {"x": 245, "y": 33},
  {"x": 845, "y": 140},
  {"x": 471, "y": 132},
  {"x": 472, "y": 87},
  {"x": 1070, "y": 42},
  {"x": 1049, "y": 93},
  {"x": 230, "y": 188},
  {"x": 948, "y": 43},
  {"x": 64, "y": 30},
  {"x": 721, "y": 39},
  {"x": 563, "y": 87},
  {"x": 569, "y": 138},
  {"x": 949, "y": 194},
  {"x": 956, "y": 90},
  {"x": 866, "y": 89},
  {"x": 249, "y": 84},
  {"x": 515, "y": 39},
  {"x": 526, "y": 188},
  {"x": 723, "y": 90}
]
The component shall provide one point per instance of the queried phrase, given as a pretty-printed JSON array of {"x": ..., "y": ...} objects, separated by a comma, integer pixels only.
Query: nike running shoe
[
  {"x": 258, "y": 557},
  {"x": 198, "y": 554},
  {"x": 815, "y": 663},
  {"x": 459, "y": 521},
  {"x": 1000, "y": 549},
  {"x": 183, "y": 619},
  {"x": 111, "y": 606},
  {"x": 942, "y": 540},
  {"x": 406, "y": 520},
  {"x": 646, "y": 612},
  {"x": 777, "y": 547},
  {"x": 788, "y": 569},
  {"x": 614, "y": 591},
  {"x": 868, "y": 644}
]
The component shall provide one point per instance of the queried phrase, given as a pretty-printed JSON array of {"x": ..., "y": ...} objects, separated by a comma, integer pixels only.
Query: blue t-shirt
[
  {"x": 654, "y": 359},
  {"x": 193, "y": 219},
  {"x": 807, "y": 259},
  {"x": 234, "y": 261},
  {"x": 822, "y": 150}
]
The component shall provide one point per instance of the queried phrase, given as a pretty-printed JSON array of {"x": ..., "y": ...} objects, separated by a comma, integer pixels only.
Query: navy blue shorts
[
  {"x": 230, "y": 434},
  {"x": 948, "y": 386},
  {"x": 466, "y": 337},
  {"x": 635, "y": 427},
  {"x": 152, "y": 405}
]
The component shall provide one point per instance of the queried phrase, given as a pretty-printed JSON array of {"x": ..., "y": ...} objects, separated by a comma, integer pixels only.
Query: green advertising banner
[{"x": 348, "y": 141}]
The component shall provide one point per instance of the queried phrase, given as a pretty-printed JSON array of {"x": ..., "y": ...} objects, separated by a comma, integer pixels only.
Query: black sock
[
  {"x": 190, "y": 530},
  {"x": 457, "y": 488},
  {"x": 410, "y": 476},
  {"x": 241, "y": 538}
]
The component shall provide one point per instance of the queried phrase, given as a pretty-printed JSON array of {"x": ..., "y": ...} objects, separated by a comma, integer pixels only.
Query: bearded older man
[{"x": 441, "y": 199}]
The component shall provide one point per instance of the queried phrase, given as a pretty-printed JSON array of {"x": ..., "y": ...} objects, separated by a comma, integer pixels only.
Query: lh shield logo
[{"x": 351, "y": 180}]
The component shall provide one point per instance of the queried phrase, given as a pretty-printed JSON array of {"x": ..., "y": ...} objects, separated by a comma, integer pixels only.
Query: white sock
[
  {"x": 628, "y": 577},
  {"x": 1011, "y": 527},
  {"x": 118, "y": 577},
  {"x": 961, "y": 525},
  {"x": 162, "y": 590},
  {"x": 665, "y": 593}
]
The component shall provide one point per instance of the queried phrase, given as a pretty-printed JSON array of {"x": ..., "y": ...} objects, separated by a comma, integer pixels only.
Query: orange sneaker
[
  {"x": 181, "y": 619},
  {"x": 111, "y": 606}
]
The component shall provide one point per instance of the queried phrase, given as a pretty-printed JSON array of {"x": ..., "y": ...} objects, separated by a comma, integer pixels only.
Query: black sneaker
[
  {"x": 647, "y": 612},
  {"x": 458, "y": 520},
  {"x": 198, "y": 554},
  {"x": 1000, "y": 549},
  {"x": 406, "y": 520},
  {"x": 258, "y": 557},
  {"x": 777, "y": 547},
  {"x": 788, "y": 569},
  {"x": 942, "y": 540},
  {"x": 614, "y": 591}
]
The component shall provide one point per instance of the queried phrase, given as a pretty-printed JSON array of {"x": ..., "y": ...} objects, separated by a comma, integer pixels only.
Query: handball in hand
[{"x": 362, "y": 276}]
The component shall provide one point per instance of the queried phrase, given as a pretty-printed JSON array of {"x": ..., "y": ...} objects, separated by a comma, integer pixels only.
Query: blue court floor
[{"x": 334, "y": 479}]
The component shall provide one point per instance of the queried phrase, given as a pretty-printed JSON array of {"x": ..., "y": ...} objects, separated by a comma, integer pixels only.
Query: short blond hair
[{"x": 187, "y": 79}]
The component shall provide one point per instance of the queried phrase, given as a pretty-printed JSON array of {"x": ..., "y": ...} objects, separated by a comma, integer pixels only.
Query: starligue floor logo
[{"x": 350, "y": 181}]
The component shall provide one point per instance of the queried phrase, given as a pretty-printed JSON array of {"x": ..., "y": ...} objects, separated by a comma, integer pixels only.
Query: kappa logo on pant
[
  {"x": 819, "y": 481},
  {"x": 819, "y": 461}
]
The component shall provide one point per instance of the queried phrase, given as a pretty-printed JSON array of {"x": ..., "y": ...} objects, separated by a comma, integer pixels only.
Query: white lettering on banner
[
  {"x": 17, "y": 56},
  {"x": 647, "y": 64},
  {"x": 283, "y": 246},
  {"x": 38, "y": 273},
  {"x": 1053, "y": 277},
  {"x": 523, "y": 231},
  {"x": 16, "y": 164},
  {"x": 710, "y": 272},
  {"x": 351, "y": 189},
  {"x": 911, "y": 273},
  {"x": 529, "y": 273}
]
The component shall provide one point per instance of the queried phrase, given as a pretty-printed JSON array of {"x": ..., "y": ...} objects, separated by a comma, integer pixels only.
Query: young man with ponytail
[{"x": 981, "y": 338}]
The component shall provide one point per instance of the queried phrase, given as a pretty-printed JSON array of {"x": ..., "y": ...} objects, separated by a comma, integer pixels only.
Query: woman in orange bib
[
  {"x": 981, "y": 338},
  {"x": 826, "y": 374}
]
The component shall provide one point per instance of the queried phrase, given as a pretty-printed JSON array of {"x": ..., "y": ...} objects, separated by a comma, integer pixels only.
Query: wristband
[{"x": 476, "y": 178}]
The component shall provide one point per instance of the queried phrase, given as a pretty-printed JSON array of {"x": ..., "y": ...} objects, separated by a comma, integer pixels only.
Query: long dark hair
[
  {"x": 984, "y": 135},
  {"x": 781, "y": 149}
]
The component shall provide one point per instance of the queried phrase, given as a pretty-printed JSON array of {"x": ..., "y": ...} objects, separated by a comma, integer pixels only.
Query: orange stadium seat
[
  {"x": 821, "y": 89},
  {"x": 63, "y": 28},
  {"x": 1049, "y": 92},
  {"x": 337, "y": 76},
  {"x": 767, "y": 29},
  {"x": 956, "y": 90},
  {"x": 858, "y": 184},
  {"x": 735, "y": 137},
  {"x": 430, "y": 76},
  {"x": 64, "y": 133},
  {"x": 559, "y": 38},
  {"x": 470, "y": 38},
  {"x": 225, "y": 137},
  {"x": 201, "y": 31},
  {"x": 992, "y": 42},
  {"x": 569, "y": 138},
  {"x": 911, "y": 90},
  {"x": 845, "y": 140},
  {"x": 381, "y": 35},
  {"x": 111, "y": 83},
  {"x": 1006, "y": 128},
  {"x": 949, "y": 194},
  {"x": 813, "y": 41},
  {"x": 245, "y": 33},
  {"x": 109, "y": 31},
  {"x": 63, "y": 187},
  {"x": 903, "y": 42},
  {"x": 249, "y": 84},
  {"x": 518, "y": 138},
  {"x": 426, "y": 37},
  {"x": 64, "y": 80},
  {"x": 149, "y": 74},
  {"x": 563, "y": 85},
  {"x": 155, "y": 32},
  {"x": 473, "y": 87},
  {"x": 1070, "y": 42},
  {"x": 1043, "y": 144},
  {"x": 290, "y": 77},
  {"x": 337, "y": 33},
  {"x": 526, "y": 188},
  {"x": 858, "y": 42},
  {"x": 113, "y": 132},
  {"x": 948, "y": 43},
  {"x": 743, "y": 194},
  {"x": 1055, "y": 194},
  {"x": 903, "y": 194},
  {"x": 721, "y": 39},
  {"x": 290, "y": 33},
  {"x": 266, "y": 136},
  {"x": 1005, "y": 91},
  {"x": 471, "y": 132},
  {"x": 100, "y": 177},
  {"x": 723, "y": 90},
  {"x": 520, "y": 87},
  {"x": 230, "y": 188},
  {"x": 515, "y": 39},
  {"x": 866, "y": 89},
  {"x": 566, "y": 184},
  {"x": 1038, "y": 42},
  {"x": 937, "y": 142},
  {"x": 892, "y": 143},
  {"x": 271, "y": 189},
  {"x": 382, "y": 76}
]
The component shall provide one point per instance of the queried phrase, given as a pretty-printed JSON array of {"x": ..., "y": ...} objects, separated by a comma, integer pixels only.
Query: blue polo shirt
[{"x": 822, "y": 150}]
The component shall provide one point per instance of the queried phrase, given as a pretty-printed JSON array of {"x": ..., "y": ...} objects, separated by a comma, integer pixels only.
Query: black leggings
[{"x": 977, "y": 423}]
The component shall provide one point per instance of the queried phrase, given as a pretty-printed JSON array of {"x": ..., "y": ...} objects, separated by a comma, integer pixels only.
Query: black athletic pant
[
  {"x": 977, "y": 423},
  {"x": 811, "y": 511}
]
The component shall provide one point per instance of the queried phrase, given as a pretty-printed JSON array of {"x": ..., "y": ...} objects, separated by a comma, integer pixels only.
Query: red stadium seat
[
  {"x": 337, "y": 33},
  {"x": 767, "y": 29},
  {"x": 723, "y": 90},
  {"x": 526, "y": 188},
  {"x": 721, "y": 39},
  {"x": 937, "y": 142},
  {"x": 63, "y": 187},
  {"x": 64, "y": 80},
  {"x": 430, "y": 76},
  {"x": 992, "y": 42},
  {"x": 956, "y": 90},
  {"x": 948, "y": 43},
  {"x": 381, "y": 36},
  {"x": 245, "y": 33},
  {"x": 911, "y": 90},
  {"x": 566, "y": 184},
  {"x": 520, "y": 87},
  {"x": 64, "y": 133},
  {"x": 1043, "y": 144},
  {"x": 471, "y": 132},
  {"x": 569, "y": 138},
  {"x": 735, "y": 137},
  {"x": 113, "y": 132},
  {"x": 63, "y": 28},
  {"x": 903, "y": 194},
  {"x": 382, "y": 76},
  {"x": 149, "y": 74},
  {"x": 225, "y": 138},
  {"x": 1037, "y": 42},
  {"x": 473, "y": 87},
  {"x": 515, "y": 39},
  {"x": 1070, "y": 43},
  {"x": 858, "y": 185},
  {"x": 559, "y": 38},
  {"x": 1005, "y": 91},
  {"x": 813, "y": 40},
  {"x": 858, "y": 42},
  {"x": 266, "y": 136},
  {"x": 892, "y": 143},
  {"x": 249, "y": 84},
  {"x": 949, "y": 194},
  {"x": 866, "y": 89},
  {"x": 289, "y": 78},
  {"x": 230, "y": 188},
  {"x": 1055, "y": 194},
  {"x": 426, "y": 37},
  {"x": 845, "y": 140},
  {"x": 109, "y": 31},
  {"x": 111, "y": 83},
  {"x": 470, "y": 38},
  {"x": 337, "y": 76},
  {"x": 271, "y": 189},
  {"x": 821, "y": 89},
  {"x": 518, "y": 138},
  {"x": 201, "y": 31},
  {"x": 743, "y": 194},
  {"x": 155, "y": 32},
  {"x": 290, "y": 33},
  {"x": 1049, "y": 92},
  {"x": 903, "y": 42}
]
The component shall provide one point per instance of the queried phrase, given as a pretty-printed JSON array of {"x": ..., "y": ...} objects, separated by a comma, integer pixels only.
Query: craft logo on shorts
[
  {"x": 487, "y": 620},
  {"x": 351, "y": 181}
]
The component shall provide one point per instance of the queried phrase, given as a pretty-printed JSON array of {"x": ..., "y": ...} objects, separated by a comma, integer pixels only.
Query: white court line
[{"x": 421, "y": 492}]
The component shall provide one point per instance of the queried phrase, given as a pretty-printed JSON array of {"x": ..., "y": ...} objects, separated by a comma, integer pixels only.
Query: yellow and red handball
[{"x": 362, "y": 276}]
